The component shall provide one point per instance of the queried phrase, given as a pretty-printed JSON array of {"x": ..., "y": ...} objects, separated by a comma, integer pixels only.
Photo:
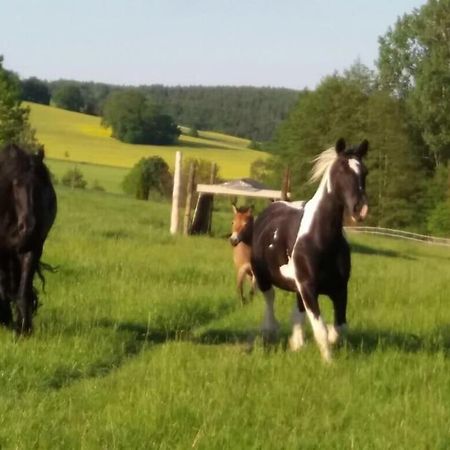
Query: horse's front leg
[
  {"x": 297, "y": 339},
  {"x": 339, "y": 299},
  {"x": 24, "y": 301},
  {"x": 309, "y": 295}
]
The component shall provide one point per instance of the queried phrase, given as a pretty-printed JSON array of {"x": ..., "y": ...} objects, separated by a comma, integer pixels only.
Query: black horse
[
  {"x": 301, "y": 247},
  {"x": 27, "y": 212}
]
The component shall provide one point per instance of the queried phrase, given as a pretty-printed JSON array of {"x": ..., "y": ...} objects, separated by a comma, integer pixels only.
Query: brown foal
[{"x": 241, "y": 233}]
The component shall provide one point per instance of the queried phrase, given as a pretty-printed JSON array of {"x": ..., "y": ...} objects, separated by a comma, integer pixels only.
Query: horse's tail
[
  {"x": 244, "y": 270},
  {"x": 47, "y": 267}
]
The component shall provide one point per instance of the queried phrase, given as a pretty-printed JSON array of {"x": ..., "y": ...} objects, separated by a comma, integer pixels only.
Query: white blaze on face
[{"x": 355, "y": 165}]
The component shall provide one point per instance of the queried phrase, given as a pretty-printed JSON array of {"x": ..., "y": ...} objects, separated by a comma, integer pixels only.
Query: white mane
[{"x": 322, "y": 164}]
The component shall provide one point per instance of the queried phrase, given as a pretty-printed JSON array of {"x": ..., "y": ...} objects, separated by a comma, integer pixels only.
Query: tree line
[
  {"x": 247, "y": 112},
  {"x": 403, "y": 108}
]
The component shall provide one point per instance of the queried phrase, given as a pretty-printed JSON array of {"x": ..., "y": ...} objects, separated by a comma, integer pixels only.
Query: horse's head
[
  {"x": 242, "y": 225},
  {"x": 19, "y": 170},
  {"x": 348, "y": 178}
]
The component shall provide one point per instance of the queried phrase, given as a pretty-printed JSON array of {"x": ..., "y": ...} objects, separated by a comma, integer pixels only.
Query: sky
[{"x": 280, "y": 43}]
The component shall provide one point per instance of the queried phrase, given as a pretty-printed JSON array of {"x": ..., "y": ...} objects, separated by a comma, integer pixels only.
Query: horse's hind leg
[
  {"x": 297, "y": 340},
  {"x": 270, "y": 325},
  {"x": 242, "y": 272},
  {"x": 252, "y": 281}
]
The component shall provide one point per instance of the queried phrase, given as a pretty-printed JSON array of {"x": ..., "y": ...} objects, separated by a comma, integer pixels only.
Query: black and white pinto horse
[
  {"x": 301, "y": 247},
  {"x": 27, "y": 212}
]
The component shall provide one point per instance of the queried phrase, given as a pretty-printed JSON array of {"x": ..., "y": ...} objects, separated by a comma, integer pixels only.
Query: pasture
[
  {"x": 79, "y": 138},
  {"x": 141, "y": 343}
]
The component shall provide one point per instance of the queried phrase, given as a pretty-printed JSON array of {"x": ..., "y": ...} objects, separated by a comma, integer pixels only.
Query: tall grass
[{"x": 141, "y": 343}]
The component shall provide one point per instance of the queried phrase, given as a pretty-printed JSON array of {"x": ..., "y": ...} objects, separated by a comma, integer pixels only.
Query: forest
[{"x": 245, "y": 111}]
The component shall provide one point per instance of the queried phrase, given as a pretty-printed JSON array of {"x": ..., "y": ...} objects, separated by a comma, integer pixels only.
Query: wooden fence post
[
  {"x": 176, "y": 194},
  {"x": 189, "y": 194},
  {"x": 212, "y": 180},
  {"x": 286, "y": 187}
]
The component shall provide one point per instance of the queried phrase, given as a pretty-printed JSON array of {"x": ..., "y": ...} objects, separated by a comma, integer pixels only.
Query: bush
[
  {"x": 254, "y": 145},
  {"x": 74, "y": 178},
  {"x": 192, "y": 132},
  {"x": 439, "y": 220},
  {"x": 149, "y": 174},
  {"x": 96, "y": 186}
]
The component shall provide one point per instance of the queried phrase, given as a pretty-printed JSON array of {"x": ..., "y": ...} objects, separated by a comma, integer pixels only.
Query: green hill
[{"x": 73, "y": 138}]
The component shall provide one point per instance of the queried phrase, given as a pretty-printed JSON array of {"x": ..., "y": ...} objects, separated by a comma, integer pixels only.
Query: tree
[
  {"x": 35, "y": 90},
  {"x": 74, "y": 179},
  {"x": 68, "y": 96},
  {"x": 350, "y": 106},
  {"x": 414, "y": 66},
  {"x": 134, "y": 119},
  {"x": 149, "y": 174},
  {"x": 14, "y": 123}
]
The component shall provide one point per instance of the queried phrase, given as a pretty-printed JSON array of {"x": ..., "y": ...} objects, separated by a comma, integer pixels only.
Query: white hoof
[
  {"x": 326, "y": 355},
  {"x": 296, "y": 341},
  {"x": 333, "y": 334}
]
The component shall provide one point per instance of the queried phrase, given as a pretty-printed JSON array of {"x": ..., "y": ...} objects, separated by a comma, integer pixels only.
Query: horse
[
  {"x": 302, "y": 248},
  {"x": 240, "y": 239},
  {"x": 27, "y": 211}
]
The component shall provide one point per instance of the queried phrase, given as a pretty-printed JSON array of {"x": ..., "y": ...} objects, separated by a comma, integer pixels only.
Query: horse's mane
[{"x": 322, "y": 164}]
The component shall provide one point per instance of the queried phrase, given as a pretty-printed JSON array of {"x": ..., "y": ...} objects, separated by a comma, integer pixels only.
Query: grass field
[
  {"x": 74, "y": 137},
  {"x": 140, "y": 343},
  {"x": 110, "y": 178}
]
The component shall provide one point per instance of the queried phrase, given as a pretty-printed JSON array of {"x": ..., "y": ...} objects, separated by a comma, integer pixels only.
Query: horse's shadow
[
  {"x": 368, "y": 341},
  {"x": 367, "y": 250},
  {"x": 359, "y": 341}
]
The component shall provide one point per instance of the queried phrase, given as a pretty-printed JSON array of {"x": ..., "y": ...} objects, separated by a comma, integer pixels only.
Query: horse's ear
[
  {"x": 233, "y": 205},
  {"x": 340, "y": 145},
  {"x": 363, "y": 148},
  {"x": 40, "y": 153}
]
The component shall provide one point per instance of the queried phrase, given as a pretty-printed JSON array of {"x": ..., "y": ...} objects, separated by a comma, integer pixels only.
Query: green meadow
[
  {"x": 74, "y": 138},
  {"x": 141, "y": 342}
]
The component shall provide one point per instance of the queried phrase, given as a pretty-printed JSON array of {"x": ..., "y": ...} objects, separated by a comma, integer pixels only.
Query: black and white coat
[{"x": 300, "y": 247}]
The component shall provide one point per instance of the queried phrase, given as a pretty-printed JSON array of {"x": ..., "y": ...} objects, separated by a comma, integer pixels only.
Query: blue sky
[{"x": 209, "y": 42}]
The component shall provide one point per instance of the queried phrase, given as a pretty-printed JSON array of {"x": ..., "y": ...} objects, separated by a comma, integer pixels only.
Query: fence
[{"x": 400, "y": 235}]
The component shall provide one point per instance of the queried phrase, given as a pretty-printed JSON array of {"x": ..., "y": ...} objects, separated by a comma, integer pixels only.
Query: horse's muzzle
[
  {"x": 360, "y": 213},
  {"x": 234, "y": 240}
]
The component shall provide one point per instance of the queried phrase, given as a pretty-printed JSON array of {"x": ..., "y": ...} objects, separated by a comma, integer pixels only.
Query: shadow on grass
[
  {"x": 370, "y": 341},
  {"x": 366, "y": 250},
  {"x": 206, "y": 146}
]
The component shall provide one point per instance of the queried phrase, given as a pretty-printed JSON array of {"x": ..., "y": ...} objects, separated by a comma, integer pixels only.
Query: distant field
[
  {"x": 108, "y": 177},
  {"x": 70, "y": 136},
  {"x": 141, "y": 343}
]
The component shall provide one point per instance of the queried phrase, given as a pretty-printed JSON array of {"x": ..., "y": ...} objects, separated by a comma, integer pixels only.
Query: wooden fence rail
[{"x": 400, "y": 234}]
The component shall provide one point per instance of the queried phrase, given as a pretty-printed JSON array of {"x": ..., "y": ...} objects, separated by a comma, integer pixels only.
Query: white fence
[{"x": 400, "y": 234}]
